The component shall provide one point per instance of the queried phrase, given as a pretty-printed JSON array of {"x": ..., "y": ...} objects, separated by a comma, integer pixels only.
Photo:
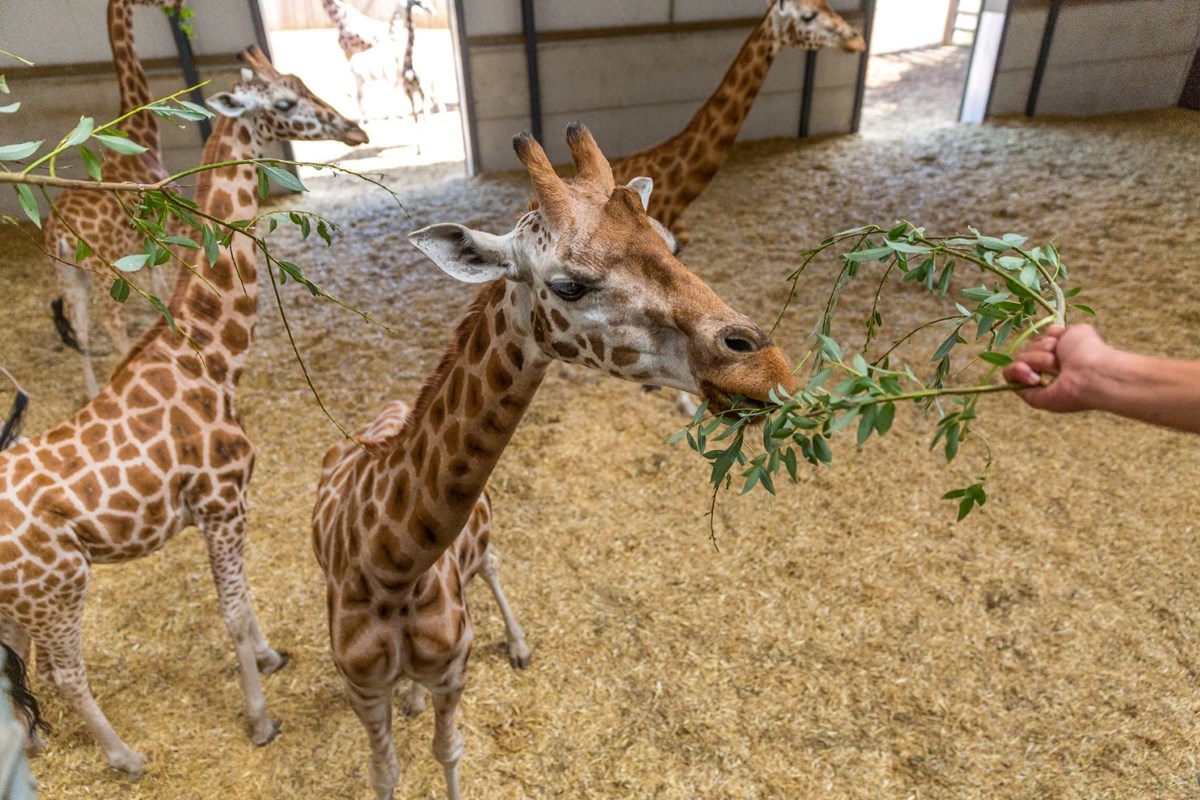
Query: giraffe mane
[{"x": 429, "y": 389}]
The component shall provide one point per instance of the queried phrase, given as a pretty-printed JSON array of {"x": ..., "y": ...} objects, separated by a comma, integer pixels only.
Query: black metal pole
[
  {"x": 187, "y": 60},
  {"x": 529, "y": 27},
  {"x": 861, "y": 87},
  {"x": 1039, "y": 70},
  {"x": 806, "y": 95},
  {"x": 466, "y": 106}
]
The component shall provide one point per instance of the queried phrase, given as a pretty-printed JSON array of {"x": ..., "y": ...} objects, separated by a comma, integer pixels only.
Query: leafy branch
[{"x": 1020, "y": 293}]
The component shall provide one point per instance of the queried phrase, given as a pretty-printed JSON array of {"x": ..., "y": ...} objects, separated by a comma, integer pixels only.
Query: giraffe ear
[
  {"x": 643, "y": 186},
  {"x": 466, "y": 255},
  {"x": 227, "y": 104}
]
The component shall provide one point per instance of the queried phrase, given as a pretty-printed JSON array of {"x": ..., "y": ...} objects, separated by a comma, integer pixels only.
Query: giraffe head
[
  {"x": 282, "y": 106},
  {"x": 598, "y": 284},
  {"x": 812, "y": 24}
]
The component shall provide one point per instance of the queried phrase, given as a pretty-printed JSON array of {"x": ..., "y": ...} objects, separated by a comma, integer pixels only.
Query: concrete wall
[
  {"x": 1106, "y": 56},
  {"x": 73, "y": 75},
  {"x": 634, "y": 88}
]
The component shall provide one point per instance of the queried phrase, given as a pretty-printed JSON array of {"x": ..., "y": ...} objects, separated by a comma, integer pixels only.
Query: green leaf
[
  {"x": 1085, "y": 309},
  {"x": 82, "y": 250},
  {"x": 131, "y": 263},
  {"x": 789, "y": 461},
  {"x": 844, "y": 420},
  {"x": 119, "y": 144},
  {"x": 821, "y": 449},
  {"x": 883, "y": 420},
  {"x": 830, "y": 349},
  {"x": 999, "y": 359},
  {"x": 872, "y": 254},
  {"x": 166, "y": 312},
  {"x": 209, "y": 239},
  {"x": 947, "y": 346},
  {"x": 181, "y": 241},
  {"x": 119, "y": 290},
  {"x": 28, "y": 204},
  {"x": 952, "y": 434},
  {"x": 11, "y": 108},
  {"x": 964, "y": 507},
  {"x": 866, "y": 424},
  {"x": 905, "y": 247},
  {"x": 91, "y": 162},
  {"x": 284, "y": 178},
  {"x": 15, "y": 152},
  {"x": 82, "y": 131},
  {"x": 264, "y": 186}
]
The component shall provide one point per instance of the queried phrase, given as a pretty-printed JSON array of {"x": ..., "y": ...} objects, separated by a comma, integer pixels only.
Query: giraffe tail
[
  {"x": 11, "y": 429},
  {"x": 23, "y": 700}
]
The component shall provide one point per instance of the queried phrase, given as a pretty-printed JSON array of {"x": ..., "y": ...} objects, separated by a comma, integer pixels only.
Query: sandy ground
[{"x": 847, "y": 640}]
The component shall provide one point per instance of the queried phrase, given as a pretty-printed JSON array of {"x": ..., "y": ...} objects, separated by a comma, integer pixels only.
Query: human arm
[{"x": 1088, "y": 374}]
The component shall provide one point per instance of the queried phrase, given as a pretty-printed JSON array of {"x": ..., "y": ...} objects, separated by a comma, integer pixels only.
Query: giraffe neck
[
  {"x": 704, "y": 144},
  {"x": 465, "y": 415},
  {"x": 412, "y": 36},
  {"x": 135, "y": 91},
  {"x": 222, "y": 322},
  {"x": 356, "y": 31}
]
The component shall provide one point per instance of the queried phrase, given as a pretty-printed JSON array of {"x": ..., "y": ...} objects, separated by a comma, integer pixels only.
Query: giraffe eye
[
  {"x": 808, "y": 16},
  {"x": 285, "y": 105},
  {"x": 568, "y": 290}
]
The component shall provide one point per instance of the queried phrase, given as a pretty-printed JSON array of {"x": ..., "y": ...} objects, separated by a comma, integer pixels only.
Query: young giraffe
[
  {"x": 408, "y": 75},
  {"x": 587, "y": 278},
  {"x": 161, "y": 447},
  {"x": 98, "y": 216}
]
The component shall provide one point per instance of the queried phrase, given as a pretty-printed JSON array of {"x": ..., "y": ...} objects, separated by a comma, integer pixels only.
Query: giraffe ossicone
[
  {"x": 161, "y": 447},
  {"x": 402, "y": 523}
]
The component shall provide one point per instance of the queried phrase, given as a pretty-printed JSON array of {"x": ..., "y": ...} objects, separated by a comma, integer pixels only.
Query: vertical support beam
[
  {"x": 1039, "y": 69},
  {"x": 806, "y": 95},
  {"x": 1007, "y": 10},
  {"x": 860, "y": 89},
  {"x": 466, "y": 89},
  {"x": 260, "y": 36},
  {"x": 529, "y": 26},
  {"x": 187, "y": 60}
]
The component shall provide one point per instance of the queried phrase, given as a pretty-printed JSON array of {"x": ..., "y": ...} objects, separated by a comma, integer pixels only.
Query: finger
[
  {"x": 1054, "y": 330},
  {"x": 1022, "y": 373},
  {"x": 1040, "y": 361},
  {"x": 1045, "y": 343}
]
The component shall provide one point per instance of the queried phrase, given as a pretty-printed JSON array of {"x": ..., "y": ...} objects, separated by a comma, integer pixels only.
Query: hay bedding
[{"x": 848, "y": 639}]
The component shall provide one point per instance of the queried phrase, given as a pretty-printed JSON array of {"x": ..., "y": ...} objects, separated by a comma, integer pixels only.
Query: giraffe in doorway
[
  {"x": 684, "y": 165},
  {"x": 586, "y": 278},
  {"x": 408, "y": 75},
  {"x": 161, "y": 446},
  {"x": 371, "y": 46},
  {"x": 98, "y": 216}
]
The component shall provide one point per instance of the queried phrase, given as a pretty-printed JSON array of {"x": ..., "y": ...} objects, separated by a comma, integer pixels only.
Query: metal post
[
  {"x": 1039, "y": 70},
  {"x": 529, "y": 26},
  {"x": 860, "y": 89},
  {"x": 187, "y": 60},
  {"x": 466, "y": 89},
  {"x": 806, "y": 95}
]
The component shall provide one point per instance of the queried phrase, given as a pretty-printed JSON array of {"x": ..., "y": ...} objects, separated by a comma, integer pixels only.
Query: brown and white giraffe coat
[
  {"x": 161, "y": 446},
  {"x": 587, "y": 278}
]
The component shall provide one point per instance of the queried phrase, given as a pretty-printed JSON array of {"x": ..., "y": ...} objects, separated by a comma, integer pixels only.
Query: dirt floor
[{"x": 847, "y": 640}]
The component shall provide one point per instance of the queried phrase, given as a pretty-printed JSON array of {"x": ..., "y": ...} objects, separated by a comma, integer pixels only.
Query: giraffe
[
  {"x": 683, "y": 165},
  {"x": 99, "y": 216},
  {"x": 370, "y": 45},
  {"x": 408, "y": 75},
  {"x": 161, "y": 446},
  {"x": 586, "y": 278}
]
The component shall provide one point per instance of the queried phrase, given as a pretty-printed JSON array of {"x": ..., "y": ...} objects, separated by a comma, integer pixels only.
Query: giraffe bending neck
[
  {"x": 135, "y": 91},
  {"x": 412, "y": 35},
  {"x": 463, "y": 419}
]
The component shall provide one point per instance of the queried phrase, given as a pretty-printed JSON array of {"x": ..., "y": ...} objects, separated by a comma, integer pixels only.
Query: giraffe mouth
[{"x": 727, "y": 405}]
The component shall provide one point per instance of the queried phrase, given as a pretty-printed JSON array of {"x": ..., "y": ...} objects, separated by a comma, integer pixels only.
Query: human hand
[{"x": 1072, "y": 357}]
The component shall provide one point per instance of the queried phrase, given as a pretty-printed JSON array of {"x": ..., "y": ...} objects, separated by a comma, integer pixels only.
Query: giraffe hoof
[
  {"x": 262, "y": 740},
  {"x": 131, "y": 763},
  {"x": 519, "y": 656},
  {"x": 269, "y": 666}
]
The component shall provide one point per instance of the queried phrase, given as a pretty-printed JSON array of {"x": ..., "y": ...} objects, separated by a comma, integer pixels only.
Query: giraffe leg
[
  {"x": 414, "y": 700},
  {"x": 359, "y": 80},
  {"x": 448, "y": 743},
  {"x": 73, "y": 283},
  {"x": 374, "y": 710},
  {"x": 686, "y": 404},
  {"x": 226, "y": 538},
  {"x": 159, "y": 283},
  {"x": 64, "y": 647},
  {"x": 518, "y": 650}
]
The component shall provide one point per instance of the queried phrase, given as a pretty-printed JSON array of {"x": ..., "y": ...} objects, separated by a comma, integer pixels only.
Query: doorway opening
[
  {"x": 917, "y": 66},
  {"x": 304, "y": 42}
]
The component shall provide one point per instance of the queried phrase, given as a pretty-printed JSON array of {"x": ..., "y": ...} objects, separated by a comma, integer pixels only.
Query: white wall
[
  {"x": 1106, "y": 57},
  {"x": 634, "y": 90}
]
